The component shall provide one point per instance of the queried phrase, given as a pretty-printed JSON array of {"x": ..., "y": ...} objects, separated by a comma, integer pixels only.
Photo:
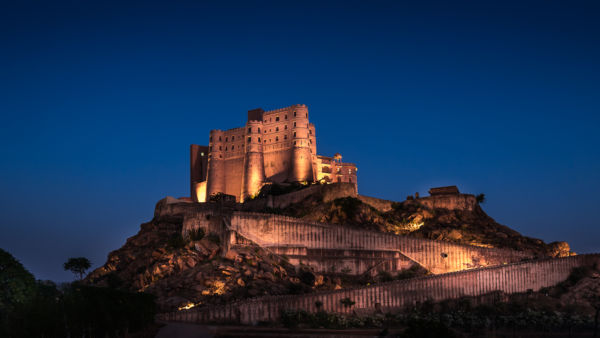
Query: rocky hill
[
  {"x": 193, "y": 270},
  {"x": 415, "y": 217}
]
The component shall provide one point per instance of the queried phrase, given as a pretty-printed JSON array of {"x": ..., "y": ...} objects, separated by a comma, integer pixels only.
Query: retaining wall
[
  {"x": 513, "y": 278},
  {"x": 273, "y": 231}
]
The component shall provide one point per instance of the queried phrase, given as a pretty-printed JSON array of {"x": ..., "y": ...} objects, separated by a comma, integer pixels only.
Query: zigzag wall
[{"x": 282, "y": 233}]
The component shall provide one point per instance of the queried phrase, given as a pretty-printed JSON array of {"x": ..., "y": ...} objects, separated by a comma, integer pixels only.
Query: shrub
[
  {"x": 214, "y": 238},
  {"x": 176, "y": 242},
  {"x": 197, "y": 234},
  {"x": 347, "y": 302}
]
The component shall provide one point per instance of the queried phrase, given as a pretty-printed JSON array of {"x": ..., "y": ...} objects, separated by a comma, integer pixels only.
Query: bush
[
  {"x": 176, "y": 242},
  {"x": 348, "y": 205},
  {"x": 347, "y": 302},
  {"x": 213, "y": 237},
  {"x": 197, "y": 234}
]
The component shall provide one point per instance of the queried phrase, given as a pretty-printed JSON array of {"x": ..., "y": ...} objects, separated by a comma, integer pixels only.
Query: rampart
[
  {"x": 308, "y": 240},
  {"x": 397, "y": 295}
]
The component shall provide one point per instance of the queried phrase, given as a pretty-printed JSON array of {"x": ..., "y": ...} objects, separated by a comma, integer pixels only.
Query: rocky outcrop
[{"x": 189, "y": 271}]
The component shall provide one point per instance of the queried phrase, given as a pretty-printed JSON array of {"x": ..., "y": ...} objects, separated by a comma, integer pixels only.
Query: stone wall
[
  {"x": 275, "y": 232},
  {"x": 377, "y": 203},
  {"x": 513, "y": 278},
  {"x": 450, "y": 202}
]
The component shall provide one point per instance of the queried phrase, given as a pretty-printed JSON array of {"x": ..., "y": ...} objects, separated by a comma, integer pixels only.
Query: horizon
[{"x": 101, "y": 102}]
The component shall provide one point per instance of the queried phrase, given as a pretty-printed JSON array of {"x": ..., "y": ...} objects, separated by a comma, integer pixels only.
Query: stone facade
[{"x": 277, "y": 146}]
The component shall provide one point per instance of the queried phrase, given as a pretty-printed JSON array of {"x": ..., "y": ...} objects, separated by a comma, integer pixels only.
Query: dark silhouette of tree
[
  {"x": 17, "y": 285},
  {"x": 77, "y": 265},
  {"x": 480, "y": 198}
]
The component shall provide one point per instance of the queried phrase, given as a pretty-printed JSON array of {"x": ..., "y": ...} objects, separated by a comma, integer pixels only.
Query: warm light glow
[
  {"x": 186, "y": 306},
  {"x": 201, "y": 191}
]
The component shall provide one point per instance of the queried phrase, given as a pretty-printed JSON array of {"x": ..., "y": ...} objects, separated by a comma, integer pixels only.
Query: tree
[
  {"x": 480, "y": 198},
  {"x": 77, "y": 265},
  {"x": 17, "y": 285}
]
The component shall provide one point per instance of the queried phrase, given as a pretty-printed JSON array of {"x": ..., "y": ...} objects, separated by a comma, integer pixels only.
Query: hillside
[
  {"x": 184, "y": 271},
  {"x": 415, "y": 218},
  {"x": 196, "y": 270}
]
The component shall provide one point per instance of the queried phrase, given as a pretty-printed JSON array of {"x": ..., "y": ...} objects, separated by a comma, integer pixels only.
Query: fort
[
  {"x": 277, "y": 146},
  {"x": 230, "y": 205}
]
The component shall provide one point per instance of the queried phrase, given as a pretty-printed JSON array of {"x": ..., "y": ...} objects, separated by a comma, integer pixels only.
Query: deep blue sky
[{"x": 100, "y": 101}]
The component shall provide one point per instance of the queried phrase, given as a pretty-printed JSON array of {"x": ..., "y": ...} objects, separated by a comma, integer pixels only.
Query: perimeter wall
[{"x": 512, "y": 278}]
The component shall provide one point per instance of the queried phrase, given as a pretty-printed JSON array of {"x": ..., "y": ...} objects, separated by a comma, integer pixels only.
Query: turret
[
  {"x": 301, "y": 169},
  {"x": 254, "y": 165},
  {"x": 216, "y": 164}
]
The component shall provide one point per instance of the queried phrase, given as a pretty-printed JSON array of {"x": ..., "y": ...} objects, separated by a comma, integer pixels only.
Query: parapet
[{"x": 449, "y": 190}]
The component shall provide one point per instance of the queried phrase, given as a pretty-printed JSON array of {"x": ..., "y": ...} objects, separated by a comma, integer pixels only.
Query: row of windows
[
  {"x": 285, "y": 127},
  {"x": 285, "y": 117},
  {"x": 339, "y": 170}
]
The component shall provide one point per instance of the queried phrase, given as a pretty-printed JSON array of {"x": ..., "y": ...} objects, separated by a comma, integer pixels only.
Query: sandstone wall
[
  {"x": 377, "y": 203},
  {"x": 437, "y": 256},
  {"x": 513, "y": 278},
  {"x": 275, "y": 231},
  {"x": 450, "y": 202}
]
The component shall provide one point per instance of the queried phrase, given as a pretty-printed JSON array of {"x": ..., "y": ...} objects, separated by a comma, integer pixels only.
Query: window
[
  {"x": 210, "y": 148},
  {"x": 349, "y": 179},
  {"x": 226, "y": 139},
  {"x": 219, "y": 138},
  {"x": 259, "y": 139},
  {"x": 349, "y": 171},
  {"x": 285, "y": 127},
  {"x": 249, "y": 139},
  {"x": 294, "y": 124},
  {"x": 270, "y": 119},
  {"x": 232, "y": 147},
  {"x": 220, "y": 156},
  {"x": 294, "y": 142},
  {"x": 232, "y": 138},
  {"x": 220, "y": 148},
  {"x": 294, "y": 113},
  {"x": 294, "y": 134},
  {"x": 276, "y": 128},
  {"x": 276, "y": 118},
  {"x": 339, "y": 179},
  {"x": 225, "y": 148},
  {"x": 259, "y": 130},
  {"x": 250, "y": 130},
  {"x": 210, "y": 139},
  {"x": 276, "y": 138},
  {"x": 285, "y": 137},
  {"x": 310, "y": 131},
  {"x": 286, "y": 116}
]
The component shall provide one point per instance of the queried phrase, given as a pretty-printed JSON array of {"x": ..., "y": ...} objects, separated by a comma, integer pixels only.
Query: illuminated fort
[{"x": 277, "y": 146}]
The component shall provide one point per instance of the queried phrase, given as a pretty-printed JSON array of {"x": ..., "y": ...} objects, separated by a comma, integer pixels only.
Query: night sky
[{"x": 100, "y": 102}]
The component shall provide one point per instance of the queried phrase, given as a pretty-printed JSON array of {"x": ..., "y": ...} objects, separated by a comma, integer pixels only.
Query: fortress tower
[{"x": 277, "y": 146}]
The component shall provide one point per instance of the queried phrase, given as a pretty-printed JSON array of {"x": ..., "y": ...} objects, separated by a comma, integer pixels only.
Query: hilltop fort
[{"x": 258, "y": 250}]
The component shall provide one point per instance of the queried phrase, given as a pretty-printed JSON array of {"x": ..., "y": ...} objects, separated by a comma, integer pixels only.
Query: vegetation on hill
[
  {"x": 31, "y": 308},
  {"x": 414, "y": 219}
]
